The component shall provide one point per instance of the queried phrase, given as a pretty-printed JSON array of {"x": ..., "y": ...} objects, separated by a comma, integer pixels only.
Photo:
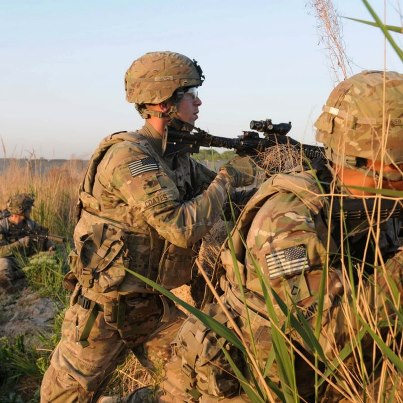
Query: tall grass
[
  {"x": 55, "y": 190},
  {"x": 24, "y": 363},
  {"x": 365, "y": 367}
]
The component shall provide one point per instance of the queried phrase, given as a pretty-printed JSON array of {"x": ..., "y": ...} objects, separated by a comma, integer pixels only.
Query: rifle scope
[{"x": 266, "y": 126}]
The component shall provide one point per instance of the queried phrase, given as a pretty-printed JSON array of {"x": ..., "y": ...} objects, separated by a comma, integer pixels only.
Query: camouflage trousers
[
  {"x": 10, "y": 274},
  {"x": 81, "y": 369}
]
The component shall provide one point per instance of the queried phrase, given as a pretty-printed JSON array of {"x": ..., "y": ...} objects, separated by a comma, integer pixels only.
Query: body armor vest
[{"x": 106, "y": 245}]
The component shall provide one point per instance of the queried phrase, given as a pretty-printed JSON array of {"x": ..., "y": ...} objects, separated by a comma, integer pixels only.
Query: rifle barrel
[
  {"x": 200, "y": 139},
  {"x": 56, "y": 238}
]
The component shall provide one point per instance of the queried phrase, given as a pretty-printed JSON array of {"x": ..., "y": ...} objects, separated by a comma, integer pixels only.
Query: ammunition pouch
[
  {"x": 203, "y": 361},
  {"x": 175, "y": 266},
  {"x": 70, "y": 281},
  {"x": 97, "y": 262}
]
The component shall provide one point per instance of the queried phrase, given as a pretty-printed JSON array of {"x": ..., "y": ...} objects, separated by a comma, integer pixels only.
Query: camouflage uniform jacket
[
  {"x": 9, "y": 246},
  {"x": 281, "y": 236},
  {"x": 164, "y": 205},
  {"x": 285, "y": 226}
]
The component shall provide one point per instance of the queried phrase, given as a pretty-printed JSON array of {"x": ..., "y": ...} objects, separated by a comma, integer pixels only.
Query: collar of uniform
[
  {"x": 154, "y": 138},
  {"x": 21, "y": 225}
]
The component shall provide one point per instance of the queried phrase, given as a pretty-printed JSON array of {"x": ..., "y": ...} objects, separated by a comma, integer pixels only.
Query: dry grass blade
[
  {"x": 282, "y": 158},
  {"x": 330, "y": 33},
  {"x": 130, "y": 376},
  {"x": 4, "y": 147}
]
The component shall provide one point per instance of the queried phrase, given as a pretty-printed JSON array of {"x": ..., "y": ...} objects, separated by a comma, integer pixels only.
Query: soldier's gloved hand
[
  {"x": 25, "y": 242},
  {"x": 240, "y": 170}
]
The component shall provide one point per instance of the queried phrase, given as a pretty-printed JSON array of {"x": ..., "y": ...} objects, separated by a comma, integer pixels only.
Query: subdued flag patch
[
  {"x": 141, "y": 166},
  {"x": 287, "y": 262}
]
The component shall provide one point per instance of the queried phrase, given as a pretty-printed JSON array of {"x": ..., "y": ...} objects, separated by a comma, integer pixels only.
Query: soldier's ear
[{"x": 165, "y": 106}]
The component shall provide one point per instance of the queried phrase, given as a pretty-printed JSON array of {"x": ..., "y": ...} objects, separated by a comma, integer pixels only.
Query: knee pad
[{"x": 202, "y": 359}]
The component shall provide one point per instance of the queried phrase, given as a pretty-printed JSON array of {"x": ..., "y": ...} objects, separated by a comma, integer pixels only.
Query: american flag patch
[
  {"x": 141, "y": 166},
  {"x": 287, "y": 262}
]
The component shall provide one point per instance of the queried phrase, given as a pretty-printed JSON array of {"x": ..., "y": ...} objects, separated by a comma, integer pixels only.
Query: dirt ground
[{"x": 25, "y": 313}]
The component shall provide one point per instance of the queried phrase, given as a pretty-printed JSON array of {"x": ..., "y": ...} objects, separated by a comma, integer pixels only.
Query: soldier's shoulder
[
  {"x": 281, "y": 189},
  {"x": 4, "y": 214},
  {"x": 33, "y": 225},
  {"x": 126, "y": 151},
  {"x": 300, "y": 182},
  {"x": 4, "y": 225}
]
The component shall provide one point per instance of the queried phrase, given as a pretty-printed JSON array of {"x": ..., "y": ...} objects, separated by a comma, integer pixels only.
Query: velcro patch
[
  {"x": 157, "y": 199},
  {"x": 287, "y": 262},
  {"x": 297, "y": 288},
  {"x": 143, "y": 165}
]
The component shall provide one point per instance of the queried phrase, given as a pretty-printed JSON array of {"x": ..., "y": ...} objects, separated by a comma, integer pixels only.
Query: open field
[{"x": 26, "y": 356}]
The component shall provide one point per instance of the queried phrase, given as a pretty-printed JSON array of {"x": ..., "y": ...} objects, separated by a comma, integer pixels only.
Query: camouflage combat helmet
[
  {"x": 19, "y": 203},
  {"x": 363, "y": 117},
  {"x": 155, "y": 76}
]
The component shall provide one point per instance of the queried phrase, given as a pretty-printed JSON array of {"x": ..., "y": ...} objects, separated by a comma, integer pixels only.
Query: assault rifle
[
  {"x": 39, "y": 237},
  {"x": 186, "y": 138}
]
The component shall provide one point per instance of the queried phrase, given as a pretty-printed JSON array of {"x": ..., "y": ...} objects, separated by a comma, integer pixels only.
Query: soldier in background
[
  {"x": 303, "y": 226},
  {"x": 141, "y": 209},
  {"x": 16, "y": 229}
]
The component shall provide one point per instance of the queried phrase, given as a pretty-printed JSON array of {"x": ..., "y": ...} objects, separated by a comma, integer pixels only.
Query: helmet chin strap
[
  {"x": 148, "y": 113},
  {"x": 172, "y": 115}
]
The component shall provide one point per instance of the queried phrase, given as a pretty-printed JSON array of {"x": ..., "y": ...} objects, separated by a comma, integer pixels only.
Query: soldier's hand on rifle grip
[
  {"x": 25, "y": 241},
  {"x": 240, "y": 170}
]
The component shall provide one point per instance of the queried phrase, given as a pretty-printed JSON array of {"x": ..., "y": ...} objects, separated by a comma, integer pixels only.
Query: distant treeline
[{"x": 210, "y": 157}]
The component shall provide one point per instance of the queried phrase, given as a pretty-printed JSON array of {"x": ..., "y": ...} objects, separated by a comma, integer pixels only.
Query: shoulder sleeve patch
[
  {"x": 143, "y": 165},
  {"x": 287, "y": 262}
]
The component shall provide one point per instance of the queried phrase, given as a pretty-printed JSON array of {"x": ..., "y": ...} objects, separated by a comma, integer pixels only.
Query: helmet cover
[
  {"x": 155, "y": 76},
  {"x": 19, "y": 203},
  {"x": 363, "y": 117}
]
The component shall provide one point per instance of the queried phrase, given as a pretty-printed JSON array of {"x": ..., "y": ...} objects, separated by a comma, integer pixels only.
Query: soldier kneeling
[
  {"x": 16, "y": 237},
  {"x": 308, "y": 259}
]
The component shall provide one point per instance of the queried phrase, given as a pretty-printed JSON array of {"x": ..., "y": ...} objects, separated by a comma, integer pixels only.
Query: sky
[{"x": 62, "y": 65}]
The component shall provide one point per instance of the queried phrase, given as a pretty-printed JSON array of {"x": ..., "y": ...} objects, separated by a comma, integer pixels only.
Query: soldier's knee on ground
[
  {"x": 10, "y": 275},
  {"x": 157, "y": 350},
  {"x": 60, "y": 387},
  {"x": 175, "y": 388},
  {"x": 201, "y": 367}
]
